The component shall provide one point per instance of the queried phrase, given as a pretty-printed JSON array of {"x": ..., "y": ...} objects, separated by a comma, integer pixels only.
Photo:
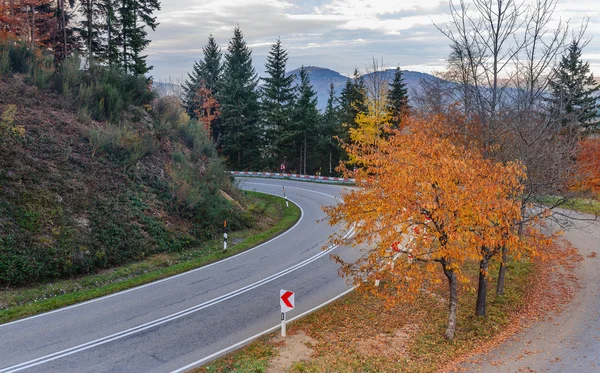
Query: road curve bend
[{"x": 185, "y": 320}]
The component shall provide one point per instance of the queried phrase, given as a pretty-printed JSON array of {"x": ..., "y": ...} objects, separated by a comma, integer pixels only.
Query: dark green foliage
[
  {"x": 91, "y": 29},
  {"x": 242, "y": 135},
  {"x": 330, "y": 151},
  {"x": 135, "y": 16},
  {"x": 205, "y": 72},
  {"x": 397, "y": 99},
  {"x": 107, "y": 93},
  {"x": 575, "y": 93},
  {"x": 306, "y": 122},
  {"x": 277, "y": 105},
  {"x": 352, "y": 100},
  {"x": 18, "y": 58}
]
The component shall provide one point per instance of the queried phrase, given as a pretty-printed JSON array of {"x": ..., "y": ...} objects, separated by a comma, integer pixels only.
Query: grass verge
[
  {"x": 22, "y": 302},
  {"x": 585, "y": 205},
  {"x": 359, "y": 334}
]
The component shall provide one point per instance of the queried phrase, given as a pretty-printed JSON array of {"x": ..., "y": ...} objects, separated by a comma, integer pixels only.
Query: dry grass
[{"x": 358, "y": 334}]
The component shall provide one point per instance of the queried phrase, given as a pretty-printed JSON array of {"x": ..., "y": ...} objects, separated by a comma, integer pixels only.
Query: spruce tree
[
  {"x": 207, "y": 73},
  {"x": 330, "y": 150},
  {"x": 352, "y": 100},
  {"x": 306, "y": 118},
  {"x": 135, "y": 16},
  {"x": 239, "y": 106},
  {"x": 397, "y": 100},
  {"x": 113, "y": 32},
  {"x": 90, "y": 29},
  {"x": 574, "y": 90},
  {"x": 277, "y": 99}
]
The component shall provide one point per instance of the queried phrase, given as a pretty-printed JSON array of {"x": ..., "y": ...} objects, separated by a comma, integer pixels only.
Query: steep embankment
[{"x": 78, "y": 195}]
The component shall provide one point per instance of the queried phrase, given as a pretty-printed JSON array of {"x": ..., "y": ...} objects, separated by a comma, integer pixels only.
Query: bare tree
[
  {"x": 503, "y": 54},
  {"x": 376, "y": 85}
]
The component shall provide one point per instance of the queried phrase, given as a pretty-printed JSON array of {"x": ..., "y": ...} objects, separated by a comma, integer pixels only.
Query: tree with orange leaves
[
  {"x": 424, "y": 203},
  {"x": 588, "y": 165},
  {"x": 209, "y": 109}
]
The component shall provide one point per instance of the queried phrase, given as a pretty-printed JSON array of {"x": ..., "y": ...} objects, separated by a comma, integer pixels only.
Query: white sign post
[
  {"x": 286, "y": 301},
  {"x": 286, "y": 200}
]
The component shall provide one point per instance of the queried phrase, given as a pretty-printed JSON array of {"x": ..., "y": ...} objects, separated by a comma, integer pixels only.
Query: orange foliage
[
  {"x": 20, "y": 18},
  {"x": 422, "y": 200},
  {"x": 210, "y": 109},
  {"x": 588, "y": 162}
]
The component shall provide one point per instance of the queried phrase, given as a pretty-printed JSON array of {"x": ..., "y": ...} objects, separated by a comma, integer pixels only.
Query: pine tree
[
  {"x": 135, "y": 16},
  {"x": 306, "y": 118},
  {"x": 91, "y": 29},
  {"x": 207, "y": 73},
  {"x": 242, "y": 136},
  {"x": 330, "y": 150},
  {"x": 397, "y": 100},
  {"x": 352, "y": 100},
  {"x": 113, "y": 31},
  {"x": 575, "y": 96},
  {"x": 277, "y": 100}
]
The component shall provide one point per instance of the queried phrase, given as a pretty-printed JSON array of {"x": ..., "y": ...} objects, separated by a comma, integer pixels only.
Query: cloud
[{"x": 338, "y": 34}]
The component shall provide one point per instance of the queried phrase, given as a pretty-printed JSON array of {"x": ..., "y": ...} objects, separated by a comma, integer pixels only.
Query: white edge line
[
  {"x": 167, "y": 278},
  {"x": 169, "y": 318},
  {"x": 250, "y": 339}
]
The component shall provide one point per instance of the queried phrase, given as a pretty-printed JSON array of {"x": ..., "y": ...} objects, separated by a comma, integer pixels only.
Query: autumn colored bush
[{"x": 588, "y": 162}]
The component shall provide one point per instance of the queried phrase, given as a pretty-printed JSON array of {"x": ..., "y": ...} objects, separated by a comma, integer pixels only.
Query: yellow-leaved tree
[{"x": 423, "y": 205}]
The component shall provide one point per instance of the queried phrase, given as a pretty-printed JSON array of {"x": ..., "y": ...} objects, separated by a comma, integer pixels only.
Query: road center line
[{"x": 174, "y": 316}]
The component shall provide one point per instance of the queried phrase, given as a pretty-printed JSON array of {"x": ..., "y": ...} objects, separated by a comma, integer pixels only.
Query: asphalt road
[
  {"x": 187, "y": 319},
  {"x": 568, "y": 341}
]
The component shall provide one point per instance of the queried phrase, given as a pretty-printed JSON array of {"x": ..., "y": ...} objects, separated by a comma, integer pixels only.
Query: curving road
[{"x": 183, "y": 321}]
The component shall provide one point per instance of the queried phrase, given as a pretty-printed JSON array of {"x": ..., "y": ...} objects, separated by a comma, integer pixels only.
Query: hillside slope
[{"x": 78, "y": 195}]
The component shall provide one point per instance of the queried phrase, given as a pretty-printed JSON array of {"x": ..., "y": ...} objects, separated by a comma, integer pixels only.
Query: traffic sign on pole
[{"x": 286, "y": 301}]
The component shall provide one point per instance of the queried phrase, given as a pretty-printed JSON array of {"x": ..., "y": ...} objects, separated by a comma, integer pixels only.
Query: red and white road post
[{"x": 286, "y": 301}]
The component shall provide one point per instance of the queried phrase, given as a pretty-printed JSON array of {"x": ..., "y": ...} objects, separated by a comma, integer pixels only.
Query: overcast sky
[{"x": 337, "y": 34}]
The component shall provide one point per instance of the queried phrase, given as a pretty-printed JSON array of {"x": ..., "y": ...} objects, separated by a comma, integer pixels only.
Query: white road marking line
[
  {"x": 164, "y": 279},
  {"x": 206, "y": 359},
  {"x": 174, "y": 316}
]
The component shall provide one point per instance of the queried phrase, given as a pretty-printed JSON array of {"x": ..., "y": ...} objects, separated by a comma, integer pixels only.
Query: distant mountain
[
  {"x": 167, "y": 89},
  {"x": 321, "y": 78}
]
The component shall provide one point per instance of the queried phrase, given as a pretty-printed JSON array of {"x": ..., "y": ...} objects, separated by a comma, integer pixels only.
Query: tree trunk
[
  {"x": 125, "y": 48},
  {"x": 502, "y": 272},
  {"x": 304, "y": 154},
  {"x": 32, "y": 26},
  {"x": 482, "y": 289},
  {"x": 109, "y": 36},
  {"x": 64, "y": 28},
  {"x": 329, "y": 162},
  {"x": 453, "y": 303},
  {"x": 300, "y": 163},
  {"x": 90, "y": 31}
]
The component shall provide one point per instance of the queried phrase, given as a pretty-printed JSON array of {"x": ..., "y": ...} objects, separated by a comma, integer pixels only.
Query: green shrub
[
  {"x": 196, "y": 137},
  {"x": 42, "y": 70},
  {"x": 17, "y": 57},
  {"x": 70, "y": 77},
  {"x": 106, "y": 93},
  {"x": 168, "y": 116},
  {"x": 21, "y": 57}
]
